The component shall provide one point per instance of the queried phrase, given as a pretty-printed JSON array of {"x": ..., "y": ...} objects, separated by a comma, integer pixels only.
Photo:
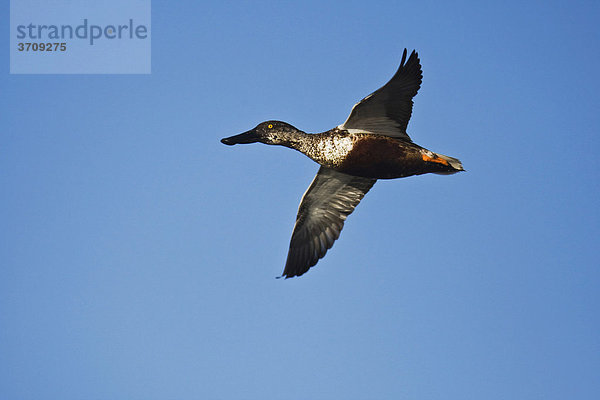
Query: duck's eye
[{"x": 270, "y": 126}]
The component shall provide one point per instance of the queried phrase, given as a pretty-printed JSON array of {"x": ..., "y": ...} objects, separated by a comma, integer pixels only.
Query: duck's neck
[{"x": 297, "y": 140}]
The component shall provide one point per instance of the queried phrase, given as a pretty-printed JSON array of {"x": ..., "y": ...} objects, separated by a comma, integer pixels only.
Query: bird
[{"x": 371, "y": 144}]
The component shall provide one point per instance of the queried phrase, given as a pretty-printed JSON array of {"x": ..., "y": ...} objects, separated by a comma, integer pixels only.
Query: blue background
[{"x": 138, "y": 254}]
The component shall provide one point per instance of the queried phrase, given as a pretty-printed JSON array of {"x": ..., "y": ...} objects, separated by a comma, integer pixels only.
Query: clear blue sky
[{"x": 138, "y": 254}]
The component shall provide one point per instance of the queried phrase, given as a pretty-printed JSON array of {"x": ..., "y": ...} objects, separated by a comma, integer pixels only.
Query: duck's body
[
  {"x": 368, "y": 155},
  {"x": 371, "y": 144}
]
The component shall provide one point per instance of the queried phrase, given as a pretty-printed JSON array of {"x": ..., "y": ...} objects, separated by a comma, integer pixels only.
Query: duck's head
[{"x": 268, "y": 132}]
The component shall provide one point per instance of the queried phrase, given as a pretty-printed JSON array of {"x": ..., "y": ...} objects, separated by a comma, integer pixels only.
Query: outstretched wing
[
  {"x": 387, "y": 110},
  {"x": 330, "y": 198}
]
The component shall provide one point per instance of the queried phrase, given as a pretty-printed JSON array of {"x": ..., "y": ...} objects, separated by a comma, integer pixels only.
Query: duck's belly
[{"x": 383, "y": 157}]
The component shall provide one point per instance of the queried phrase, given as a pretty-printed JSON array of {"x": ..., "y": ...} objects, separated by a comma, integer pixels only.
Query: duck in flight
[{"x": 371, "y": 144}]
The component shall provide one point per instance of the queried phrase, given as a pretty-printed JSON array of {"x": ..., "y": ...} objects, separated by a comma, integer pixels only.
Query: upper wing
[
  {"x": 387, "y": 110},
  {"x": 330, "y": 198}
]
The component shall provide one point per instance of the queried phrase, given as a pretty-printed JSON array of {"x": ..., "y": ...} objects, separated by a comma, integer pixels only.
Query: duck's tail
[{"x": 454, "y": 163}]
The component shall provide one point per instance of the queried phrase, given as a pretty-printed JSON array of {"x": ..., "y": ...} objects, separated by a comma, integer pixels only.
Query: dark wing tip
[
  {"x": 412, "y": 60},
  {"x": 414, "y": 56},
  {"x": 404, "y": 57},
  {"x": 410, "y": 68},
  {"x": 300, "y": 261}
]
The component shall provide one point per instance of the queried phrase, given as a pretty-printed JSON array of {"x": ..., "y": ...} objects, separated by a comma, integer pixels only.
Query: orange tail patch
[{"x": 436, "y": 159}]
